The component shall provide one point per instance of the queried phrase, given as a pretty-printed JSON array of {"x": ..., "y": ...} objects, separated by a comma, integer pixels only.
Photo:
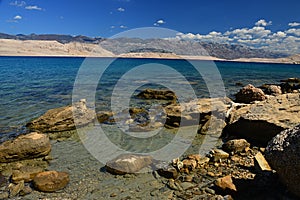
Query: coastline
[{"x": 30, "y": 48}]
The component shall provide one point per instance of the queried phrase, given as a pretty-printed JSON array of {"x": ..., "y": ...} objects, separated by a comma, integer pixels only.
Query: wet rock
[
  {"x": 167, "y": 171},
  {"x": 213, "y": 126},
  {"x": 291, "y": 80},
  {"x": 128, "y": 163},
  {"x": 249, "y": 94},
  {"x": 64, "y": 118},
  {"x": 236, "y": 146},
  {"x": 283, "y": 154},
  {"x": 197, "y": 112},
  {"x": 262, "y": 162},
  {"x": 105, "y": 117},
  {"x": 26, "y": 173},
  {"x": 51, "y": 181},
  {"x": 157, "y": 94},
  {"x": 258, "y": 123},
  {"x": 33, "y": 145},
  {"x": 14, "y": 190},
  {"x": 225, "y": 183}
]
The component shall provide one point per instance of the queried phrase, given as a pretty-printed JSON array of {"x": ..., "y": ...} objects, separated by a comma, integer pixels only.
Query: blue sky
[{"x": 232, "y": 21}]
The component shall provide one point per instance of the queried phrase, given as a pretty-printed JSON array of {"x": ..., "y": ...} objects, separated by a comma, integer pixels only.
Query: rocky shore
[{"x": 258, "y": 157}]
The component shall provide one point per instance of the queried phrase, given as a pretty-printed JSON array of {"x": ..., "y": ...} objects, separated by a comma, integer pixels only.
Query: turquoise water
[{"x": 29, "y": 86}]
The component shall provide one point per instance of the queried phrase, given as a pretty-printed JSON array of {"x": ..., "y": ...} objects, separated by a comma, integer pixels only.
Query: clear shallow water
[{"x": 29, "y": 86}]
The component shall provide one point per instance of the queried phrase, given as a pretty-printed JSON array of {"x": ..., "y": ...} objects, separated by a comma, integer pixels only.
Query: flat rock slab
[
  {"x": 261, "y": 121},
  {"x": 33, "y": 145},
  {"x": 64, "y": 118},
  {"x": 128, "y": 163}
]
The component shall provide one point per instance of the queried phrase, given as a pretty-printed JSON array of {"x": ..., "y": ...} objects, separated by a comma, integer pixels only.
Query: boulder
[
  {"x": 128, "y": 163},
  {"x": 236, "y": 146},
  {"x": 290, "y": 85},
  {"x": 33, "y": 145},
  {"x": 274, "y": 90},
  {"x": 198, "y": 113},
  {"x": 249, "y": 93},
  {"x": 63, "y": 118},
  {"x": 157, "y": 94},
  {"x": 258, "y": 123},
  {"x": 283, "y": 154},
  {"x": 51, "y": 181}
]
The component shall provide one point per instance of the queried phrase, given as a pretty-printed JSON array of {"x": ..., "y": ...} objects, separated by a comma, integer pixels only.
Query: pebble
[{"x": 210, "y": 191}]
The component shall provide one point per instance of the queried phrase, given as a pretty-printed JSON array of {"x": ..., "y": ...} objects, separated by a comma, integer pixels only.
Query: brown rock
[
  {"x": 283, "y": 155},
  {"x": 236, "y": 146},
  {"x": 225, "y": 183},
  {"x": 219, "y": 154},
  {"x": 198, "y": 113},
  {"x": 105, "y": 117},
  {"x": 128, "y": 163},
  {"x": 168, "y": 171},
  {"x": 249, "y": 93},
  {"x": 51, "y": 181},
  {"x": 26, "y": 173},
  {"x": 33, "y": 145},
  {"x": 157, "y": 94},
  {"x": 274, "y": 90},
  {"x": 64, "y": 118},
  {"x": 258, "y": 123}
]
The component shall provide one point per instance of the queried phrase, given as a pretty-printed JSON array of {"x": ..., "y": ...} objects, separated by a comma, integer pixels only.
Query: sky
[{"x": 268, "y": 24}]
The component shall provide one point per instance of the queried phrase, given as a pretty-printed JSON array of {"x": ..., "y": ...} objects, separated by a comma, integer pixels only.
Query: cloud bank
[{"x": 287, "y": 41}]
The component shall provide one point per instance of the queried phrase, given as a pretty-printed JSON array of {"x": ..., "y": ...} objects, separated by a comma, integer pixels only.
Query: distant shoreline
[{"x": 34, "y": 48}]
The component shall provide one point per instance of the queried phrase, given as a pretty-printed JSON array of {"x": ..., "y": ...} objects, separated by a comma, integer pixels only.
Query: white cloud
[
  {"x": 18, "y": 3},
  {"x": 263, "y": 22},
  {"x": 33, "y": 8},
  {"x": 17, "y": 17},
  {"x": 293, "y": 31},
  {"x": 256, "y": 37},
  {"x": 121, "y": 9},
  {"x": 159, "y": 22},
  {"x": 123, "y": 27},
  {"x": 293, "y": 24}
]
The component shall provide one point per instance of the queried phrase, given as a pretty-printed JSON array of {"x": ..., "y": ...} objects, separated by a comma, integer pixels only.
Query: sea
[{"x": 29, "y": 86}]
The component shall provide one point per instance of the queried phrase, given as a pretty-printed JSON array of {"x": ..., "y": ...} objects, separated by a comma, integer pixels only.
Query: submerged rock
[
  {"x": 157, "y": 94},
  {"x": 249, "y": 94},
  {"x": 128, "y": 163},
  {"x": 33, "y": 145},
  {"x": 283, "y": 154},
  {"x": 63, "y": 118},
  {"x": 51, "y": 181},
  {"x": 261, "y": 121}
]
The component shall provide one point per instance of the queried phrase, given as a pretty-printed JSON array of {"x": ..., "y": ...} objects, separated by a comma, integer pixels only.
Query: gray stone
[
  {"x": 128, "y": 163},
  {"x": 283, "y": 154}
]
